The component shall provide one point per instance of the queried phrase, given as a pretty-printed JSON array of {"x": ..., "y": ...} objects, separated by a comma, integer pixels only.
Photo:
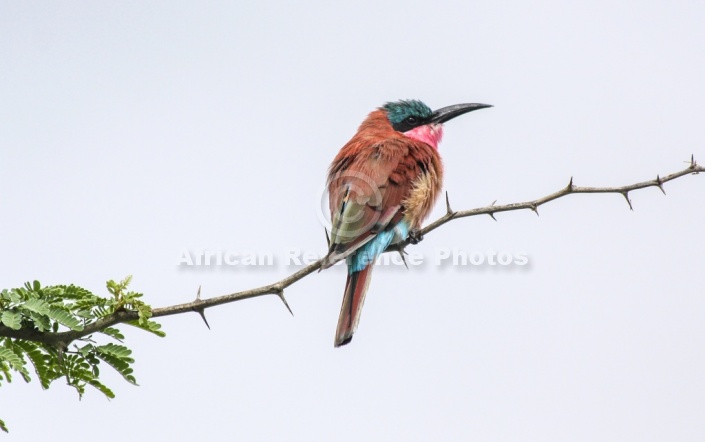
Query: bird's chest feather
[
  {"x": 425, "y": 187},
  {"x": 423, "y": 194}
]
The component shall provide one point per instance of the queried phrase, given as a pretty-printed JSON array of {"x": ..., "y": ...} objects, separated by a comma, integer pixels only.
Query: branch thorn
[
  {"x": 402, "y": 252},
  {"x": 626, "y": 197},
  {"x": 280, "y": 293},
  {"x": 570, "y": 185},
  {"x": 327, "y": 237},
  {"x": 448, "y": 204},
  {"x": 491, "y": 214},
  {"x": 659, "y": 183},
  {"x": 535, "y": 209},
  {"x": 201, "y": 311}
]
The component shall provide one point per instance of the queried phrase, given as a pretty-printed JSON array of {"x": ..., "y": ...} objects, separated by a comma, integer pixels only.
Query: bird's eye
[{"x": 411, "y": 120}]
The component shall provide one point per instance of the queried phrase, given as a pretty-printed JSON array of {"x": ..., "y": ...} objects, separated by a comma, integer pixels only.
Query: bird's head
[{"x": 417, "y": 121}]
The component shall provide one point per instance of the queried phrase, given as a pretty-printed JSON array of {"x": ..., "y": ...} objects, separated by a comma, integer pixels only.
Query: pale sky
[{"x": 131, "y": 132}]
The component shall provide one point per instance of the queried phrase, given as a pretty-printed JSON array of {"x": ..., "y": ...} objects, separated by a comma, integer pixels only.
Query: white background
[{"x": 131, "y": 131}]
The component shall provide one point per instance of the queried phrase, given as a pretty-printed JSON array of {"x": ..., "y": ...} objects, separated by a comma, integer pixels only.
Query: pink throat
[{"x": 430, "y": 134}]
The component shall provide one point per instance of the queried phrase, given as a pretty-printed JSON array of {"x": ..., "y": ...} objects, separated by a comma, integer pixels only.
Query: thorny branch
[{"x": 63, "y": 339}]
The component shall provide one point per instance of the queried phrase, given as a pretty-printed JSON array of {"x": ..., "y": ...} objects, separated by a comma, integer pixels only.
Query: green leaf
[
  {"x": 42, "y": 362},
  {"x": 16, "y": 295},
  {"x": 86, "y": 349},
  {"x": 37, "y": 306},
  {"x": 113, "y": 332},
  {"x": 74, "y": 292},
  {"x": 150, "y": 326},
  {"x": 3, "y": 427},
  {"x": 5, "y": 368},
  {"x": 112, "y": 287},
  {"x": 102, "y": 388},
  {"x": 85, "y": 314},
  {"x": 20, "y": 354},
  {"x": 117, "y": 356},
  {"x": 41, "y": 322},
  {"x": 77, "y": 372},
  {"x": 12, "y": 358},
  {"x": 119, "y": 351},
  {"x": 116, "y": 288},
  {"x": 12, "y": 319},
  {"x": 76, "y": 383},
  {"x": 65, "y": 318}
]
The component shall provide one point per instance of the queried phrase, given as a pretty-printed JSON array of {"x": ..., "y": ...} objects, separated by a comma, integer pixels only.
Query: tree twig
[
  {"x": 63, "y": 339},
  {"x": 693, "y": 168}
]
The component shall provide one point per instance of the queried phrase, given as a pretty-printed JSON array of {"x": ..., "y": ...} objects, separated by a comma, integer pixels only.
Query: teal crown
[{"x": 398, "y": 111}]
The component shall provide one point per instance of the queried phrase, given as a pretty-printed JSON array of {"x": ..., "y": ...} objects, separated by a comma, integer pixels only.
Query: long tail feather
[{"x": 354, "y": 298}]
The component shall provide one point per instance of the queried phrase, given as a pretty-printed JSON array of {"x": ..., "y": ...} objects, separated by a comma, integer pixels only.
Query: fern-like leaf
[
  {"x": 119, "y": 351},
  {"x": 113, "y": 333},
  {"x": 11, "y": 319},
  {"x": 5, "y": 369},
  {"x": 150, "y": 326},
  {"x": 10, "y": 344},
  {"x": 95, "y": 383},
  {"x": 36, "y": 305},
  {"x": 41, "y": 361},
  {"x": 41, "y": 322},
  {"x": 65, "y": 318},
  {"x": 118, "y": 357},
  {"x": 78, "y": 372},
  {"x": 16, "y": 362}
]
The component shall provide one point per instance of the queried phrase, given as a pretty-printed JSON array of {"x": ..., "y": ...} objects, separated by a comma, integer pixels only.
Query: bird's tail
[{"x": 354, "y": 298}]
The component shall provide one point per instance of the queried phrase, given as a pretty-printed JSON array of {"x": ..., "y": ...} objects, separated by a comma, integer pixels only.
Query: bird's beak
[{"x": 449, "y": 112}]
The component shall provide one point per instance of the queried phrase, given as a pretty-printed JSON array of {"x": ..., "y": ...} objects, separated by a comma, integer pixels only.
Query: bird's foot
[{"x": 415, "y": 237}]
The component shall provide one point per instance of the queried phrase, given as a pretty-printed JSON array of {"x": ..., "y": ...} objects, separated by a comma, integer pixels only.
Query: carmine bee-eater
[{"x": 381, "y": 186}]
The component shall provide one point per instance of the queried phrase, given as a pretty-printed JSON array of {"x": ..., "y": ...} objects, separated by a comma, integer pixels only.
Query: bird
[{"x": 382, "y": 185}]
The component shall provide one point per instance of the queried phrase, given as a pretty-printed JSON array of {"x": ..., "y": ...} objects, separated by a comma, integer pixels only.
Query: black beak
[{"x": 448, "y": 113}]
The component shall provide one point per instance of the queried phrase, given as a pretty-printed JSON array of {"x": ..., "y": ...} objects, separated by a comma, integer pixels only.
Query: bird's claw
[{"x": 415, "y": 237}]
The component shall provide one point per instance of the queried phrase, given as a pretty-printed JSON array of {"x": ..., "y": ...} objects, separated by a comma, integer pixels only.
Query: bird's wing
[{"x": 366, "y": 192}]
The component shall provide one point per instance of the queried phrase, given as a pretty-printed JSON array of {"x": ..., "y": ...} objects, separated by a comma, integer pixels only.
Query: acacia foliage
[{"x": 48, "y": 310}]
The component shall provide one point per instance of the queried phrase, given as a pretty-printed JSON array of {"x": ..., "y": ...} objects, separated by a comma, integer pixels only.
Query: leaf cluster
[{"x": 55, "y": 309}]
